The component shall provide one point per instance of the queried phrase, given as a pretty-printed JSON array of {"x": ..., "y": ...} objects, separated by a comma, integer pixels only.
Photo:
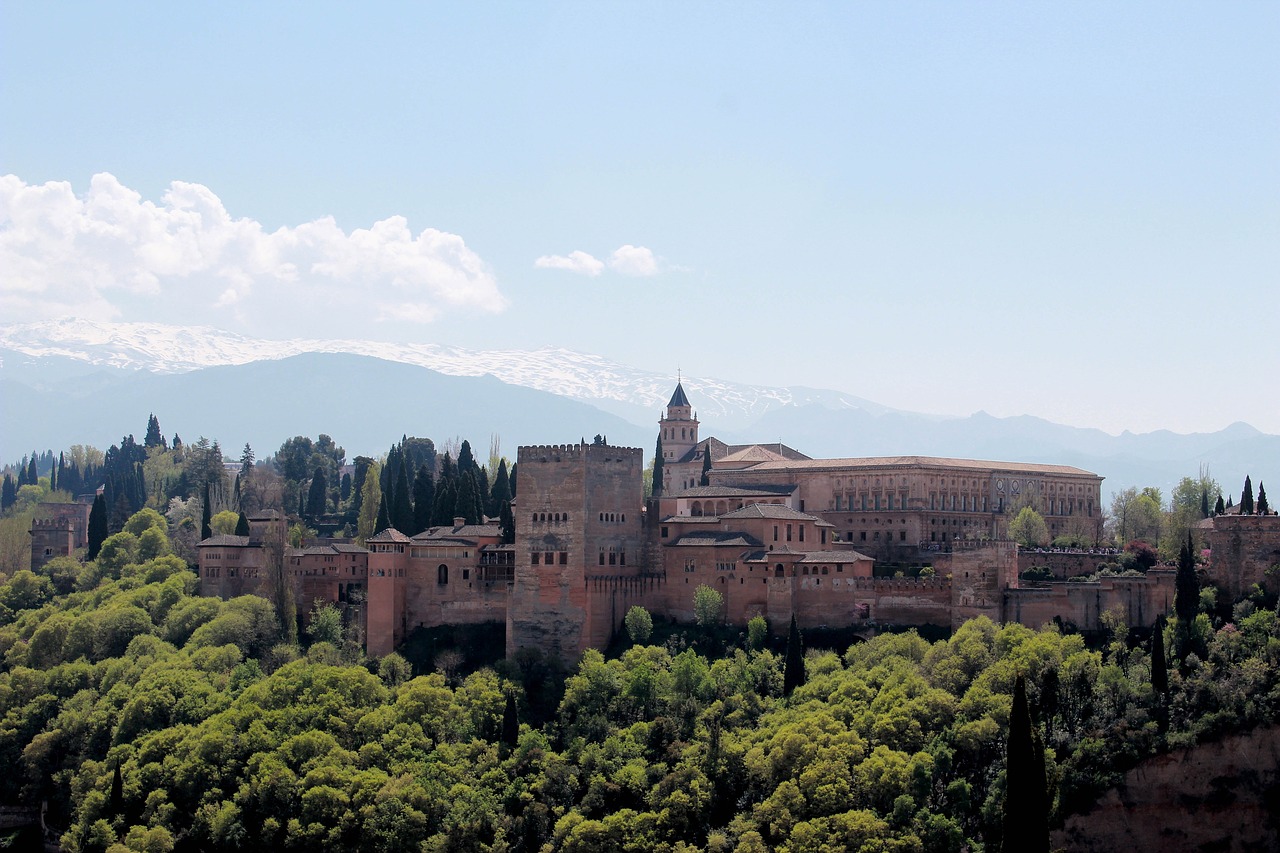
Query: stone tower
[
  {"x": 579, "y": 540},
  {"x": 679, "y": 431}
]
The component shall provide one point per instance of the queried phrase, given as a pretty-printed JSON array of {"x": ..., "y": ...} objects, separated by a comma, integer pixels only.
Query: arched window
[
  {"x": 778, "y": 572},
  {"x": 442, "y": 574}
]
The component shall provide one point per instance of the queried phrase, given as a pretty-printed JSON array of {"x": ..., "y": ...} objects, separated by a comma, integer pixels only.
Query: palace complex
[{"x": 776, "y": 533}]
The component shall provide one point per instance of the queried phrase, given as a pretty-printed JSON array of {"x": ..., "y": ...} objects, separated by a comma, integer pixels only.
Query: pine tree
[
  {"x": 246, "y": 461},
  {"x": 424, "y": 499},
  {"x": 153, "y": 438},
  {"x": 242, "y": 526},
  {"x": 510, "y": 723},
  {"x": 206, "y": 516},
  {"x": 383, "y": 519},
  {"x": 1186, "y": 601},
  {"x": 1263, "y": 508},
  {"x": 1246, "y": 497},
  {"x": 97, "y": 532},
  {"x": 793, "y": 668},
  {"x": 659, "y": 469},
  {"x": 507, "y": 522},
  {"x": 705, "y": 479},
  {"x": 1026, "y": 798},
  {"x": 1219, "y": 508}
]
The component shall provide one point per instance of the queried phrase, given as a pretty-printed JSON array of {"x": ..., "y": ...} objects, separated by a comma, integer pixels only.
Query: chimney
[{"x": 459, "y": 521}]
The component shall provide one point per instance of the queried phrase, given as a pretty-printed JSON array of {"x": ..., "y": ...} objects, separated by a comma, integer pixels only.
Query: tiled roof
[
  {"x": 226, "y": 540},
  {"x": 921, "y": 461},
  {"x": 721, "y": 451},
  {"x": 706, "y": 538},
  {"x": 732, "y": 491},
  {"x": 772, "y": 511},
  {"x": 849, "y": 556},
  {"x": 388, "y": 535},
  {"x": 348, "y": 548}
]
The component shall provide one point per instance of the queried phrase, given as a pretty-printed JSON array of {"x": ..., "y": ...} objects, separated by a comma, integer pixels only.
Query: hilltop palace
[{"x": 776, "y": 533}]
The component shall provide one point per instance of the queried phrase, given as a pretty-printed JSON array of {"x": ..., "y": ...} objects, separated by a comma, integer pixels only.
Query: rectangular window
[
  {"x": 775, "y": 533},
  {"x": 564, "y": 558},
  {"x": 665, "y": 533},
  {"x": 802, "y": 533},
  {"x": 534, "y": 557},
  {"x": 788, "y": 532}
]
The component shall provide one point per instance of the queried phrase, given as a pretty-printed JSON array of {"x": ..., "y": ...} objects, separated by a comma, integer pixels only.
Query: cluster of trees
[
  {"x": 149, "y": 718},
  {"x": 410, "y": 495}
]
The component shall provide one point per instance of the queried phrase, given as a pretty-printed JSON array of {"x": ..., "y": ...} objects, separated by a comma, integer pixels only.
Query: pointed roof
[{"x": 677, "y": 397}]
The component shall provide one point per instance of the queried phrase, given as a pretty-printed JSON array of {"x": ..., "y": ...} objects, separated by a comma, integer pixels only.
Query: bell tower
[{"x": 679, "y": 431}]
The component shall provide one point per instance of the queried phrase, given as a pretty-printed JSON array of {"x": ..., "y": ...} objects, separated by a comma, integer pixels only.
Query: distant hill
[
  {"x": 74, "y": 381},
  {"x": 365, "y": 404}
]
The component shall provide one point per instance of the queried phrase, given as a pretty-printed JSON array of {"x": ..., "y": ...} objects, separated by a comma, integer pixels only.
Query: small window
[{"x": 534, "y": 557}]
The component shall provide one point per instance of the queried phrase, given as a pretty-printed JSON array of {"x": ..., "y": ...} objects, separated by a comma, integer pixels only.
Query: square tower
[{"x": 578, "y": 528}]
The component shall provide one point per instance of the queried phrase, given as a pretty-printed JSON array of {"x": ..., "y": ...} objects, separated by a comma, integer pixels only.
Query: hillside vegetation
[{"x": 150, "y": 718}]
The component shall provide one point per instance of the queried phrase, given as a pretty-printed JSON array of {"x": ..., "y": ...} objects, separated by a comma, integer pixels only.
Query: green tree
[
  {"x": 1159, "y": 666},
  {"x": 510, "y": 723},
  {"x": 1028, "y": 528},
  {"x": 1246, "y": 497},
  {"x": 154, "y": 438},
  {"x": 206, "y": 514},
  {"x": 97, "y": 526},
  {"x": 507, "y": 522},
  {"x": 317, "y": 494},
  {"x": 384, "y": 517},
  {"x": 708, "y": 606},
  {"x": 793, "y": 674},
  {"x": 370, "y": 502},
  {"x": 325, "y": 624},
  {"x": 424, "y": 498},
  {"x": 639, "y": 625},
  {"x": 400, "y": 504},
  {"x": 757, "y": 633},
  {"x": 659, "y": 470},
  {"x": 1219, "y": 507},
  {"x": 1263, "y": 507},
  {"x": 242, "y": 526},
  {"x": 705, "y": 479},
  {"x": 501, "y": 491},
  {"x": 224, "y": 523},
  {"x": 1186, "y": 601},
  {"x": 1026, "y": 801}
]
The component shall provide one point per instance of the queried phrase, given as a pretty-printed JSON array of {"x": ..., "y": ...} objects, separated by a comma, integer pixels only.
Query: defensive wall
[
  {"x": 1081, "y": 604},
  {"x": 1066, "y": 564},
  {"x": 1241, "y": 550}
]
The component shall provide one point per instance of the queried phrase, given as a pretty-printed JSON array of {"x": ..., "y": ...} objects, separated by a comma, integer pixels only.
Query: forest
[{"x": 149, "y": 718}]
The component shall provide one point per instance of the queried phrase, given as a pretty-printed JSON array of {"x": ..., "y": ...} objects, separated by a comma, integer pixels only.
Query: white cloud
[
  {"x": 109, "y": 252},
  {"x": 579, "y": 262},
  {"x": 634, "y": 260}
]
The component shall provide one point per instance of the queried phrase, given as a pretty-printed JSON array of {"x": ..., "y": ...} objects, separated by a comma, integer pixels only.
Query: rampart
[
  {"x": 1241, "y": 550},
  {"x": 1081, "y": 604}
]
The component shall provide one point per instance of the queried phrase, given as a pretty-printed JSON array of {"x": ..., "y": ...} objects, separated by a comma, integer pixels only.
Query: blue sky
[{"x": 1067, "y": 210}]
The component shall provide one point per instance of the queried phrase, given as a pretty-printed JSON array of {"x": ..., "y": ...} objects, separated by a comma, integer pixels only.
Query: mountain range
[{"x": 75, "y": 381}]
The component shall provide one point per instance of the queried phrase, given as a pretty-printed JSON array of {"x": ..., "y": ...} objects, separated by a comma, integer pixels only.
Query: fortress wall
[
  {"x": 1065, "y": 565},
  {"x": 1140, "y": 599},
  {"x": 1242, "y": 548}
]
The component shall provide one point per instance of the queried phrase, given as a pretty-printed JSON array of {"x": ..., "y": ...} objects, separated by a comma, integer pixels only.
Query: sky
[{"x": 1065, "y": 210}]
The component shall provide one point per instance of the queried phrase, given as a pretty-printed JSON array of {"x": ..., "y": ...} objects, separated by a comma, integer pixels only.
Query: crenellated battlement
[
  {"x": 596, "y": 453},
  {"x": 53, "y": 524}
]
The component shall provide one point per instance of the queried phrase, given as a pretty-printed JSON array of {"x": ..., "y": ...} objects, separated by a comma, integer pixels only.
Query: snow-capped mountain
[{"x": 158, "y": 348}]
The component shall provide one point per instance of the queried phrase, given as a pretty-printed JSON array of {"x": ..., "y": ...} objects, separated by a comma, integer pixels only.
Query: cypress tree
[
  {"x": 400, "y": 507},
  {"x": 659, "y": 470},
  {"x": 22, "y": 472},
  {"x": 1246, "y": 497},
  {"x": 1263, "y": 508},
  {"x": 705, "y": 479},
  {"x": 507, "y": 522},
  {"x": 1229, "y": 503},
  {"x": 316, "y": 495},
  {"x": 510, "y": 723},
  {"x": 446, "y": 498},
  {"x": 53, "y": 479},
  {"x": 1218, "y": 508},
  {"x": 383, "y": 520},
  {"x": 115, "y": 805},
  {"x": 501, "y": 491},
  {"x": 482, "y": 493},
  {"x": 513, "y": 480},
  {"x": 793, "y": 669},
  {"x": 1159, "y": 666},
  {"x": 466, "y": 460},
  {"x": 1026, "y": 798},
  {"x": 344, "y": 488},
  {"x": 9, "y": 496},
  {"x": 464, "y": 505},
  {"x": 1204, "y": 503},
  {"x": 242, "y": 526},
  {"x": 33, "y": 473},
  {"x": 424, "y": 499},
  {"x": 206, "y": 516},
  {"x": 1186, "y": 599},
  {"x": 97, "y": 532}
]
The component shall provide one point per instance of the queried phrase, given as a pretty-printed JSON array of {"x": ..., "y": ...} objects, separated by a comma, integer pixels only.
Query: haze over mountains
[{"x": 73, "y": 381}]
